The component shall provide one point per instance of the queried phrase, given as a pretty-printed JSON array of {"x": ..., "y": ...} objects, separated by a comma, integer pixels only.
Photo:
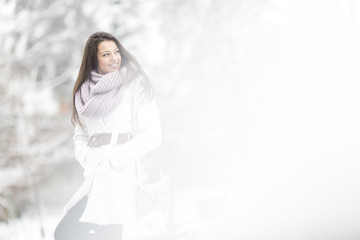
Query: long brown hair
[{"x": 90, "y": 62}]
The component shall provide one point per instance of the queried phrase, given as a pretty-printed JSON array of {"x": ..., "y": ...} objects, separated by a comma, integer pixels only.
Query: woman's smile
[{"x": 115, "y": 65}]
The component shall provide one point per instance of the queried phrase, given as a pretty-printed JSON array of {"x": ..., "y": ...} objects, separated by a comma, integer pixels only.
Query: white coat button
[{"x": 93, "y": 139}]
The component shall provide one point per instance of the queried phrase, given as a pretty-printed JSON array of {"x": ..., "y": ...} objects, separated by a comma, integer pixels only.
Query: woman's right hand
[{"x": 92, "y": 161}]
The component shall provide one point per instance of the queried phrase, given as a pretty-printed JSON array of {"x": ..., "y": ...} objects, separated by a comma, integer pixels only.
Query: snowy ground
[
  {"x": 188, "y": 225},
  {"x": 29, "y": 228}
]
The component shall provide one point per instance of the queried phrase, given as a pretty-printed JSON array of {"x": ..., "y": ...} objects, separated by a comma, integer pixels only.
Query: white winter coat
[{"x": 111, "y": 187}]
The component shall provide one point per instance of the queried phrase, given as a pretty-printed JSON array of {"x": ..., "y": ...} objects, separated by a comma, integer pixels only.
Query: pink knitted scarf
[{"x": 99, "y": 94}]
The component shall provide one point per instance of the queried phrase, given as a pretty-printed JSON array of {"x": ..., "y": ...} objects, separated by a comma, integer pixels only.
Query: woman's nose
[{"x": 113, "y": 57}]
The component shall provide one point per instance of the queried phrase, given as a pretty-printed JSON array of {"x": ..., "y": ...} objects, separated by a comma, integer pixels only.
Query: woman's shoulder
[
  {"x": 135, "y": 88},
  {"x": 136, "y": 84}
]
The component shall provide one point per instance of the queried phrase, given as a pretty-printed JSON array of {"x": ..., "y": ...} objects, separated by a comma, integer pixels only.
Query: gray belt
[{"x": 99, "y": 139}]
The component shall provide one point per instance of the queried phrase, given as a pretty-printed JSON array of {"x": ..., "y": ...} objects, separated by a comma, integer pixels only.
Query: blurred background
[{"x": 259, "y": 103}]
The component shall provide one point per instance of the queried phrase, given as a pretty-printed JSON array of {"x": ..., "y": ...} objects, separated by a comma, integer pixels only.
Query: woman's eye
[{"x": 106, "y": 54}]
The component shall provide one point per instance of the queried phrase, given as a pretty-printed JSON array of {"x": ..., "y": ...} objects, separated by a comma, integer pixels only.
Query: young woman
[{"x": 116, "y": 123}]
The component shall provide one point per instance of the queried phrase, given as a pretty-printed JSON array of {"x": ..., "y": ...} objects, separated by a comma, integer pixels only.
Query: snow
[
  {"x": 258, "y": 100},
  {"x": 40, "y": 102},
  {"x": 29, "y": 228}
]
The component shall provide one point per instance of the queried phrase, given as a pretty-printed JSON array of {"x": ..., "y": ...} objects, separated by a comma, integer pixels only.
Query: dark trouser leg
[{"x": 70, "y": 228}]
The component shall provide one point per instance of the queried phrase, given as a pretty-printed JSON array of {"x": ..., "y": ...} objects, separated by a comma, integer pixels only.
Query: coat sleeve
[
  {"x": 80, "y": 139},
  {"x": 147, "y": 138}
]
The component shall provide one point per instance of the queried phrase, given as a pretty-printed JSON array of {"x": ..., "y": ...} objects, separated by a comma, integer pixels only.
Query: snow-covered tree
[{"x": 41, "y": 44}]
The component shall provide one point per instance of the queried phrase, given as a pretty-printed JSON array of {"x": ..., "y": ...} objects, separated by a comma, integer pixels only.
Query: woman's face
[{"x": 108, "y": 56}]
